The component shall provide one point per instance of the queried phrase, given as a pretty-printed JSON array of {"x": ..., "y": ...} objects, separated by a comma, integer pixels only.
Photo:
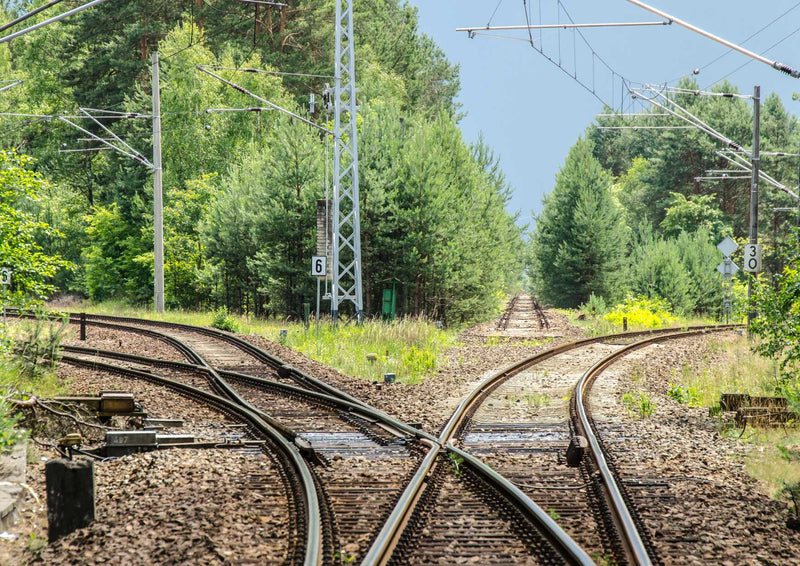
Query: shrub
[
  {"x": 222, "y": 320},
  {"x": 594, "y": 306},
  {"x": 685, "y": 395},
  {"x": 641, "y": 311}
]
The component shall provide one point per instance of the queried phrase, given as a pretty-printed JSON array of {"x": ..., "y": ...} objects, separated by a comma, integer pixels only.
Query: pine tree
[{"x": 579, "y": 240}]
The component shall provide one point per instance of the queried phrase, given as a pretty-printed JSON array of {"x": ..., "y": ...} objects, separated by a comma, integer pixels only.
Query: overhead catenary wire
[
  {"x": 690, "y": 118},
  {"x": 272, "y": 105},
  {"x": 28, "y": 15},
  {"x": 11, "y": 85},
  {"x": 745, "y": 40},
  {"x": 267, "y": 71},
  {"x": 782, "y": 67},
  {"x": 52, "y": 20},
  {"x": 767, "y": 50}
]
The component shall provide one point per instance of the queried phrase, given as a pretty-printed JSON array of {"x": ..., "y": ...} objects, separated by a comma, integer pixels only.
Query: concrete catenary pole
[
  {"x": 755, "y": 158},
  {"x": 158, "y": 214}
]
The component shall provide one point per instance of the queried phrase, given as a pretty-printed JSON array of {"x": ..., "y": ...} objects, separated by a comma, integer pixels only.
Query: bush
[
  {"x": 224, "y": 321},
  {"x": 641, "y": 312},
  {"x": 595, "y": 306}
]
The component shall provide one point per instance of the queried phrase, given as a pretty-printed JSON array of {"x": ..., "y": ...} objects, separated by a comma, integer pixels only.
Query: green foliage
[
  {"x": 410, "y": 348},
  {"x": 595, "y": 306},
  {"x": 579, "y": 241},
  {"x": 222, "y": 320},
  {"x": 778, "y": 323},
  {"x": 685, "y": 395},
  {"x": 692, "y": 213},
  {"x": 680, "y": 270},
  {"x": 791, "y": 491},
  {"x": 240, "y": 188},
  {"x": 455, "y": 464},
  {"x": 10, "y": 435},
  {"x": 29, "y": 354},
  {"x": 119, "y": 258},
  {"x": 33, "y": 269},
  {"x": 638, "y": 404},
  {"x": 36, "y": 350},
  {"x": 641, "y": 312}
]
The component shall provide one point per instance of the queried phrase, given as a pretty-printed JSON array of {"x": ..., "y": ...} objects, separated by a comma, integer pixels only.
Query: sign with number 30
[{"x": 752, "y": 258}]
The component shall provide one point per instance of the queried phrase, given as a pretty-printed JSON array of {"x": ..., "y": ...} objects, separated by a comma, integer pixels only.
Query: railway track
[
  {"x": 523, "y": 312},
  {"x": 437, "y": 497},
  {"x": 302, "y": 545},
  {"x": 570, "y": 518},
  {"x": 359, "y": 458}
]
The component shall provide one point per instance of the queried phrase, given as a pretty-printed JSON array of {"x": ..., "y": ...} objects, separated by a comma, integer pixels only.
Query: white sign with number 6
[
  {"x": 752, "y": 257},
  {"x": 319, "y": 265}
]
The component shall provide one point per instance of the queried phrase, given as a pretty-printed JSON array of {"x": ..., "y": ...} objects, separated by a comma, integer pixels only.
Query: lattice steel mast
[{"x": 346, "y": 284}]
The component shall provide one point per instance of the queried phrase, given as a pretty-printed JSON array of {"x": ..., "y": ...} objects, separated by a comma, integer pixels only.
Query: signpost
[
  {"x": 319, "y": 269},
  {"x": 728, "y": 270},
  {"x": 5, "y": 281},
  {"x": 752, "y": 258}
]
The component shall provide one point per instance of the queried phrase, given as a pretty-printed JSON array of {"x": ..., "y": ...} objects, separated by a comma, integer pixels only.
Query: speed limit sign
[
  {"x": 752, "y": 258},
  {"x": 319, "y": 265}
]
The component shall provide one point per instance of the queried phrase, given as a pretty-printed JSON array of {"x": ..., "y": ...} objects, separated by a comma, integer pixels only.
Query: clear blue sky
[{"x": 530, "y": 112}]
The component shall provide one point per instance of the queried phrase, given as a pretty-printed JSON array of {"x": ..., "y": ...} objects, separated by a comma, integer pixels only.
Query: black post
[
  {"x": 70, "y": 496},
  {"x": 83, "y": 326},
  {"x": 624, "y": 323}
]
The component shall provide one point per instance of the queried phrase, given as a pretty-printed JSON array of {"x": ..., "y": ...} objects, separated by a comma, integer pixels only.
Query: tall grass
[
  {"x": 411, "y": 348},
  {"x": 775, "y": 457},
  {"x": 739, "y": 371}
]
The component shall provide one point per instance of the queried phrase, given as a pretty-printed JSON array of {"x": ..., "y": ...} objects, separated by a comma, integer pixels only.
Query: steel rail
[
  {"x": 217, "y": 382},
  {"x": 383, "y": 545},
  {"x": 313, "y": 541},
  {"x": 284, "y": 369},
  {"x": 322, "y": 398},
  {"x": 633, "y": 544}
]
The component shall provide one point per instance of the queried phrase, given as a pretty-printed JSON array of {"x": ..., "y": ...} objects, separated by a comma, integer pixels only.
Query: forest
[
  {"x": 634, "y": 211},
  {"x": 241, "y": 188},
  {"x": 626, "y": 216}
]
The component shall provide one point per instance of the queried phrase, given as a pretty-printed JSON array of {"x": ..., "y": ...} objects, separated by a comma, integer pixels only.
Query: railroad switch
[
  {"x": 308, "y": 452},
  {"x": 575, "y": 451}
]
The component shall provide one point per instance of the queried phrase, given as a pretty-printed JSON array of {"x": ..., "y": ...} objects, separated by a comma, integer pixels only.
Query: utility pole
[
  {"x": 346, "y": 284},
  {"x": 755, "y": 159},
  {"x": 158, "y": 212}
]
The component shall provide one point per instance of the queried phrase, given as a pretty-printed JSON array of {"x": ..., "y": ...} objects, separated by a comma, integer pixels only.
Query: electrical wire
[
  {"x": 30, "y": 14},
  {"x": 767, "y": 50},
  {"x": 489, "y": 23},
  {"x": 527, "y": 20},
  {"x": 748, "y": 38}
]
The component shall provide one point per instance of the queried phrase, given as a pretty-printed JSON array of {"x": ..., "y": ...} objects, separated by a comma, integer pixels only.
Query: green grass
[
  {"x": 411, "y": 348},
  {"x": 27, "y": 369},
  {"x": 774, "y": 458},
  {"x": 638, "y": 404},
  {"x": 740, "y": 371}
]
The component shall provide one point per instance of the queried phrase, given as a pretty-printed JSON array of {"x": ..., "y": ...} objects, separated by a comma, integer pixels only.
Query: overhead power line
[
  {"x": 53, "y": 20},
  {"x": 30, "y": 14},
  {"x": 561, "y": 26},
  {"x": 774, "y": 64}
]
